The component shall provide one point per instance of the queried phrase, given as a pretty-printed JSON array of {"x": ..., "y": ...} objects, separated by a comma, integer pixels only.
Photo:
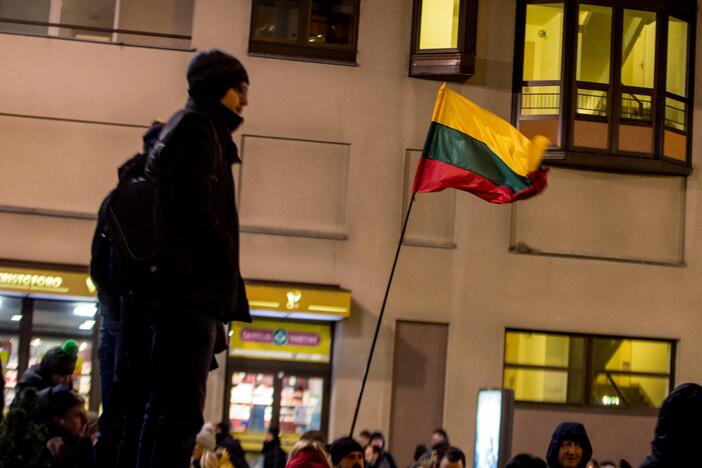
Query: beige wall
[{"x": 479, "y": 288}]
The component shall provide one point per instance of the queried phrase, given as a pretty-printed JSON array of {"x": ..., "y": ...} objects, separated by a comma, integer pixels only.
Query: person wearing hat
[
  {"x": 346, "y": 453},
  {"x": 198, "y": 286},
  {"x": 55, "y": 368}
]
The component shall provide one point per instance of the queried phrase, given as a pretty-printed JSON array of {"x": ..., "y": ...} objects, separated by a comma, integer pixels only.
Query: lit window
[
  {"x": 593, "y": 81},
  {"x": 443, "y": 39},
  {"x": 587, "y": 370},
  {"x": 323, "y": 30}
]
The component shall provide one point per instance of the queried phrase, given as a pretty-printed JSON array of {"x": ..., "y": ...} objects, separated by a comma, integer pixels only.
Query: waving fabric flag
[{"x": 471, "y": 149}]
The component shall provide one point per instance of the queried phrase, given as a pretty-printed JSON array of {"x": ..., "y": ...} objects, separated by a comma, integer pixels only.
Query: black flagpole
[{"x": 380, "y": 319}]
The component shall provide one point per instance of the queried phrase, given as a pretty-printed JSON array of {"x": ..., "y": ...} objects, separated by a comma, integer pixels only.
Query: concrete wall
[{"x": 377, "y": 114}]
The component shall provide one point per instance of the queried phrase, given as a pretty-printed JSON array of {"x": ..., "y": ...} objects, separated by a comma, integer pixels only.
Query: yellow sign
[
  {"x": 31, "y": 281},
  {"x": 296, "y": 302},
  {"x": 283, "y": 341}
]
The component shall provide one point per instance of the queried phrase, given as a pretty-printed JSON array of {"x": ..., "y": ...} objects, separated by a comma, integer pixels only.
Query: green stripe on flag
[{"x": 453, "y": 147}]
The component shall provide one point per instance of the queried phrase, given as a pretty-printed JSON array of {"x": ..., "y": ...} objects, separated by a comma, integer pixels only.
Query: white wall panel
[
  {"x": 433, "y": 215},
  {"x": 58, "y": 165},
  {"x": 293, "y": 186},
  {"x": 605, "y": 215}
]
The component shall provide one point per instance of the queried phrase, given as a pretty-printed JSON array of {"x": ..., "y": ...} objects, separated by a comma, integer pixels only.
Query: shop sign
[
  {"x": 31, "y": 281},
  {"x": 297, "y": 302},
  {"x": 291, "y": 341}
]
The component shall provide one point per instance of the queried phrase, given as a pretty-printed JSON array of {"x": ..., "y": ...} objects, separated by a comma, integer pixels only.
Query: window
[
  {"x": 585, "y": 370},
  {"x": 156, "y": 23},
  {"x": 443, "y": 39},
  {"x": 321, "y": 30},
  {"x": 607, "y": 82}
]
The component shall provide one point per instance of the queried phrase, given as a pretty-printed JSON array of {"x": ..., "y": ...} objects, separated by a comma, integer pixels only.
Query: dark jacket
[
  {"x": 273, "y": 455},
  {"x": 569, "y": 431},
  {"x": 236, "y": 453},
  {"x": 678, "y": 431},
  {"x": 200, "y": 255},
  {"x": 74, "y": 452}
]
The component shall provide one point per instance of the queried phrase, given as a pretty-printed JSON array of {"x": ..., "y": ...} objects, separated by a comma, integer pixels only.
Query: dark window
[
  {"x": 587, "y": 370},
  {"x": 156, "y": 23},
  {"x": 608, "y": 82},
  {"x": 443, "y": 39},
  {"x": 323, "y": 30}
]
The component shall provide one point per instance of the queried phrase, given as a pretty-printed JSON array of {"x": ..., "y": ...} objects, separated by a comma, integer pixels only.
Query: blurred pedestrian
[
  {"x": 237, "y": 456},
  {"x": 67, "y": 444},
  {"x": 524, "y": 460},
  {"x": 308, "y": 453},
  {"x": 570, "y": 447},
  {"x": 346, "y": 453},
  {"x": 273, "y": 455},
  {"x": 678, "y": 432},
  {"x": 452, "y": 458},
  {"x": 378, "y": 439}
]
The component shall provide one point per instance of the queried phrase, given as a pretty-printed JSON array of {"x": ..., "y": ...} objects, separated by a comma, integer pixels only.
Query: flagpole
[{"x": 380, "y": 319}]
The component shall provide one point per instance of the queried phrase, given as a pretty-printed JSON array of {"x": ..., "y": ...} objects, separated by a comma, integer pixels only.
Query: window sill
[
  {"x": 614, "y": 163},
  {"x": 442, "y": 66},
  {"x": 301, "y": 53},
  {"x": 530, "y": 405}
]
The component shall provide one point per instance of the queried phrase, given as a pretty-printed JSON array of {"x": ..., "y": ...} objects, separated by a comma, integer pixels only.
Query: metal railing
[
  {"x": 591, "y": 104},
  {"x": 635, "y": 108},
  {"x": 541, "y": 103}
]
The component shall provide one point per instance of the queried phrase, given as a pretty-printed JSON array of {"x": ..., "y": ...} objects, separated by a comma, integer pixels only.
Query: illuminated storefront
[
  {"x": 279, "y": 366},
  {"x": 40, "y": 309}
]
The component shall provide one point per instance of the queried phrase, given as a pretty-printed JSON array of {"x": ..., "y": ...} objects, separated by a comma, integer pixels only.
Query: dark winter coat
[
  {"x": 273, "y": 455},
  {"x": 569, "y": 431},
  {"x": 200, "y": 255},
  {"x": 74, "y": 452},
  {"x": 678, "y": 431},
  {"x": 236, "y": 453}
]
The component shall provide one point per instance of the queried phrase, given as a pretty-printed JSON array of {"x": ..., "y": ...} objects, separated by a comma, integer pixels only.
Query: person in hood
[
  {"x": 678, "y": 432},
  {"x": 273, "y": 455},
  {"x": 308, "y": 453},
  {"x": 346, "y": 453},
  {"x": 197, "y": 285},
  {"x": 55, "y": 368},
  {"x": 570, "y": 447}
]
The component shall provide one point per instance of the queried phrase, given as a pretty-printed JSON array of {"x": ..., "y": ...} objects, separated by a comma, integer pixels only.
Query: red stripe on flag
[{"x": 434, "y": 176}]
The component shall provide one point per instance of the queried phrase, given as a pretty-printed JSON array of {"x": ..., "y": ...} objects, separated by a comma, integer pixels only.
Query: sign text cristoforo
[{"x": 27, "y": 281}]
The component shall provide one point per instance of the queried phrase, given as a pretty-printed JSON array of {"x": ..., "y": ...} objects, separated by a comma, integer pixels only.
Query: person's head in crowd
[
  {"x": 377, "y": 439},
  {"x": 67, "y": 410},
  {"x": 438, "y": 436},
  {"x": 58, "y": 364},
  {"x": 313, "y": 435},
  {"x": 608, "y": 464},
  {"x": 678, "y": 431},
  {"x": 308, "y": 453},
  {"x": 372, "y": 454},
  {"x": 221, "y": 431},
  {"x": 453, "y": 458},
  {"x": 524, "y": 460},
  {"x": 419, "y": 450},
  {"x": 217, "y": 77},
  {"x": 364, "y": 437},
  {"x": 346, "y": 453},
  {"x": 570, "y": 447},
  {"x": 273, "y": 435}
]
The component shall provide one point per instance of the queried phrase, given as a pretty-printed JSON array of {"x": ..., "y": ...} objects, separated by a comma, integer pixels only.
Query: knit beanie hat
[
  {"x": 206, "y": 437},
  {"x": 340, "y": 448},
  {"x": 60, "y": 360},
  {"x": 211, "y": 73}
]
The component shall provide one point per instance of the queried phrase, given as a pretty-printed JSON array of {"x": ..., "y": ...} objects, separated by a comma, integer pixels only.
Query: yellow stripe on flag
[{"x": 522, "y": 155}]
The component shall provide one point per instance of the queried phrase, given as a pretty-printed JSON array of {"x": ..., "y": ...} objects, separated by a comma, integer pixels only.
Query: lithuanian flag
[{"x": 471, "y": 149}]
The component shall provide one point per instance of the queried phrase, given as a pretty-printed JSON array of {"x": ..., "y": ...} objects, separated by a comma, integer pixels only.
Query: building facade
[{"x": 584, "y": 300}]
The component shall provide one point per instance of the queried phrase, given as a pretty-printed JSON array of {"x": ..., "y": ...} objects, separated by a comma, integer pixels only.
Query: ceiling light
[
  {"x": 87, "y": 325},
  {"x": 85, "y": 310},
  {"x": 16, "y": 318},
  {"x": 35, "y": 342},
  {"x": 82, "y": 346}
]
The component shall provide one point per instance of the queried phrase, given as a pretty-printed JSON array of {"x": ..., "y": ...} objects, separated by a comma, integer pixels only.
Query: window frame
[
  {"x": 589, "y": 372},
  {"x": 564, "y": 152},
  {"x": 300, "y": 50},
  {"x": 452, "y": 64}
]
